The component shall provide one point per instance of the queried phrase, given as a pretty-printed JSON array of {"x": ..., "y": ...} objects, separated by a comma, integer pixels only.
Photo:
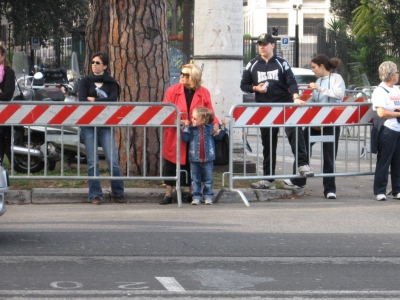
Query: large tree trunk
[{"x": 137, "y": 42}]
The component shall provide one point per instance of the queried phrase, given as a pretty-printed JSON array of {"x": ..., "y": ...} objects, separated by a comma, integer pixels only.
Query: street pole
[
  {"x": 296, "y": 49},
  {"x": 297, "y": 46}
]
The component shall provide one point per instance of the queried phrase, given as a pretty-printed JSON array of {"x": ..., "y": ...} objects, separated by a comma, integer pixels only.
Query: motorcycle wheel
[
  {"x": 21, "y": 162},
  {"x": 51, "y": 165}
]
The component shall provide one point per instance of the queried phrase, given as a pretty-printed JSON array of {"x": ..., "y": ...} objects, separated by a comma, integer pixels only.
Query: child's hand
[{"x": 187, "y": 123}]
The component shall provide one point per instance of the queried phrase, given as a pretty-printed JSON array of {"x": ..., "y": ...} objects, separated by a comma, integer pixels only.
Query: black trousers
[
  {"x": 5, "y": 143},
  {"x": 329, "y": 152},
  {"x": 388, "y": 157},
  {"x": 269, "y": 137}
]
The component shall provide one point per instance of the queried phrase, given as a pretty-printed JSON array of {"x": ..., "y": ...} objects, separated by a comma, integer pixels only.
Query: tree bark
[{"x": 136, "y": 38}]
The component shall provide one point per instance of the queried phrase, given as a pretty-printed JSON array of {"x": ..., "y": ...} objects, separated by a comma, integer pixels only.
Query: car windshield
[{"x": 305, "y": 79}]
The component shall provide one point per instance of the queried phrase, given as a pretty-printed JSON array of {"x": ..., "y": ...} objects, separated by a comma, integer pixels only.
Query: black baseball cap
[{"x": 266, "y": 38}]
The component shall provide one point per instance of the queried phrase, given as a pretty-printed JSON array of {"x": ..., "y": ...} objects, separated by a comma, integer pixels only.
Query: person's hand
[
  {"x": 259, "y": 88},
  {"x": 314, "y": 86},
  {"x": 187, "y": 123},
  {"x": 223, "y": 120},
  {"x": 91, "y": 99},
  {"x": 299, "y": 102},
  {"x": 216, "y": 129}
]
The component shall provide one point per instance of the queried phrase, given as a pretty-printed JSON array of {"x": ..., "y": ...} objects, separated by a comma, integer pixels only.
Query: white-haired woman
[{"x": 386, "y": 102}]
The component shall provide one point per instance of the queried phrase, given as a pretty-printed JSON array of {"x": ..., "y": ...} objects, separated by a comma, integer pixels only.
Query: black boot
[{"x": 166, "y": 200}]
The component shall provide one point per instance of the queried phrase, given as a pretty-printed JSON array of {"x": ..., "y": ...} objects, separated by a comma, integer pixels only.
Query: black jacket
[
  {"x": 7, "y": 86},
  {"x": 87, "y": 88},
  {"x": 282, "y": 83}
]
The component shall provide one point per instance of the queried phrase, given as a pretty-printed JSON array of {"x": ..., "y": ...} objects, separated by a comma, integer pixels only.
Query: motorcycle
[{"x": 60, "y": 140}]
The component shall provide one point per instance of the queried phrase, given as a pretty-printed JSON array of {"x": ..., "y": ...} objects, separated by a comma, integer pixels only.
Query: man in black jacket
[{"x": 271, "y": 79}]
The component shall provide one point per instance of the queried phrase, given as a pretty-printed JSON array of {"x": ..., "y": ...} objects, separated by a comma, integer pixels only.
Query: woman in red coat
[{"x": 186, "y": 95}]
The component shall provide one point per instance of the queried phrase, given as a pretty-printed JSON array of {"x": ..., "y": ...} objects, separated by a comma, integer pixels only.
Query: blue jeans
[
  {"x": 105, "y": 138},
  {"x": 202, "y": 173}
]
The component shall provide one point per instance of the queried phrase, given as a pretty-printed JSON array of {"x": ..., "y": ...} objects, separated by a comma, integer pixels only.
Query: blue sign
[
  {"x": 285, "y": 41},
  {"x": 35, "y": 43}
]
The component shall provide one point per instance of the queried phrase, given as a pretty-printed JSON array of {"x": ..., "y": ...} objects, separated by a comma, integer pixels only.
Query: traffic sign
[
  {"x": 35, "y": 43},
  {"x": 285, "y": 41}
]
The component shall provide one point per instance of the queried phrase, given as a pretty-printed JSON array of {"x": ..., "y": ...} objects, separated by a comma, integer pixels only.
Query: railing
[
  {"x": 51, "y": 132},
  {"x": 357, "y": 115}
]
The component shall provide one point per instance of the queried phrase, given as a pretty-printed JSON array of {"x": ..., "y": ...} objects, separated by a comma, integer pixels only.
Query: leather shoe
[{"x": 166, "y": 200}]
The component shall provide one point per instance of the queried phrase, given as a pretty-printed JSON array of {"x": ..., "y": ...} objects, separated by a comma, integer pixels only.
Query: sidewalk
[{"x": 348, "y": 189}]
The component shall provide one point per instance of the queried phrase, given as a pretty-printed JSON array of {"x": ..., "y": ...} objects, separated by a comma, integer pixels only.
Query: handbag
[{"x": 222, "y": 151}]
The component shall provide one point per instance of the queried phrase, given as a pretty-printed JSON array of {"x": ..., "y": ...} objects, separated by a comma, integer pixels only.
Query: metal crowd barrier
[
  {"x": 60, "y": 125},
  {"x": 275, "y": 115}
]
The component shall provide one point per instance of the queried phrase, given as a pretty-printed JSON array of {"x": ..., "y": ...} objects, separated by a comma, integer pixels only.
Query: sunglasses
[
  {"x": 96, "y": 62},
  {"x": 186, "y": 75}
]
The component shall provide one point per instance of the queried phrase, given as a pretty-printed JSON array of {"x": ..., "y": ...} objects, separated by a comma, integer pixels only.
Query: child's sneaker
[
  {"x": 263, "y": 184},
  {"x": 306, "y": 171},
  {"x": 208, "y": 201},
  {"x": 196, "y": 202}
]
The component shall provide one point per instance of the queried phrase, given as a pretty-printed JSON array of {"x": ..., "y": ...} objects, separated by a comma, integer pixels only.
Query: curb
[{"x": 132, "y": 195}]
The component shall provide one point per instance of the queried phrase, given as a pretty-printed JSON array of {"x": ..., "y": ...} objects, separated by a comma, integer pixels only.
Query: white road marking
[{"x": 170, "y": 284}]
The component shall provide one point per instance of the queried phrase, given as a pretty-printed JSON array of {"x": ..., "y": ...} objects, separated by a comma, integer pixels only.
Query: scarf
[{"x": 1, "y": 73}]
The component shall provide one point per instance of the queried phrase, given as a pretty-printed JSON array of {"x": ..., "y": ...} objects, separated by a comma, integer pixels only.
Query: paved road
[{"x": 289, "y": 248}]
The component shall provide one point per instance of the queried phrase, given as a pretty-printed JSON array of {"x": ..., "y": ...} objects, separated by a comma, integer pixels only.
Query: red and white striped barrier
[
  {"x": 306, "y": 115},
  {"x": 75, "y": 114}
]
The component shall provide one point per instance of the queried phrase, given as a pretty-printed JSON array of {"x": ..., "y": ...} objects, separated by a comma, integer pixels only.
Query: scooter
[
  {"x": 29, "y": 145},
  {"x": 64, "y": 140}
]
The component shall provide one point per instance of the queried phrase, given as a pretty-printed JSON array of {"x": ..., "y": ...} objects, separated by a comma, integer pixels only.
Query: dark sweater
[
  {"x": 7, "y": 86},
  {"x": 87, "y": 88}
]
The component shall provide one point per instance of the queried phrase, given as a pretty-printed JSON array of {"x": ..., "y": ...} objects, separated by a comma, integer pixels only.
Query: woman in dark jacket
[
  {"x": 7, "y": 88},
  {"x": 100, "y": 87}
]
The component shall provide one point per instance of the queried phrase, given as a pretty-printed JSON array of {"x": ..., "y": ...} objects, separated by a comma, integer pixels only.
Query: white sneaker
[
  {"x": 306, "y": 171},
  {"x": 331, "y": 196},
  {"x": 288, "y": 184},
  {"x": 196, "y": 202},
  {"x": 208, "y": 202},
  {"x": 380, "y": 197},
  {"x": 397, "y": 196},
  {"x": 263, "y": 185}
]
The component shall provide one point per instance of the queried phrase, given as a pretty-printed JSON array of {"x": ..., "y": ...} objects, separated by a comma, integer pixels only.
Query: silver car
[{"x": 4, "y": 185}]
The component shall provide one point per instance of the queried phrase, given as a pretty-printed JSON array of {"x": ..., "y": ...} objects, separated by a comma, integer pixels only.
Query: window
[
  {"x": 281, "y": 23},
  {"x": 311, "y": 25}
]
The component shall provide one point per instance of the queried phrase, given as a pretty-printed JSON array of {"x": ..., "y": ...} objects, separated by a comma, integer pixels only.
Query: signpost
[
  {"x": 285, "y": 41},
  {"x": 35, "y": 43}
]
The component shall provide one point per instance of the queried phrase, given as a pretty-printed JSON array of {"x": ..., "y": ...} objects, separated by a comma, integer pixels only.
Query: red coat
[{"x": 176, "y": 95}]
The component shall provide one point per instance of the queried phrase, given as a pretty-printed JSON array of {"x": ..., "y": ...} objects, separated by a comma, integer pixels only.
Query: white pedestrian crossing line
[{"x": 170, "y": 284}]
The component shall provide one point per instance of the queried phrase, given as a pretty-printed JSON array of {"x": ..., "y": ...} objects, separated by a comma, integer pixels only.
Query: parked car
[
  {"x": 4, "y": 185},
  {"x": 303, "y": 78}
]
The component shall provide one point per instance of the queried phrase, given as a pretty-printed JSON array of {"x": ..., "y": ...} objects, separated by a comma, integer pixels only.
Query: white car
[{"x": 304, "y": 76}]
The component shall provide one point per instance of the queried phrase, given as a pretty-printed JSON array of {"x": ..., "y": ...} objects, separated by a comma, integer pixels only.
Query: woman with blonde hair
[{"x": 186, "y": 95}]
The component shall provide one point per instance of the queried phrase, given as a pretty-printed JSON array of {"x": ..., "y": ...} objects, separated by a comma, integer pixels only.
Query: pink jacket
[{"x": 176, "y": 95}]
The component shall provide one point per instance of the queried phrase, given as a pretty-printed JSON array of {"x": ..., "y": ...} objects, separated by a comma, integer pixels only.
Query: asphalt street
[{"x": 295, "y": 248}]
